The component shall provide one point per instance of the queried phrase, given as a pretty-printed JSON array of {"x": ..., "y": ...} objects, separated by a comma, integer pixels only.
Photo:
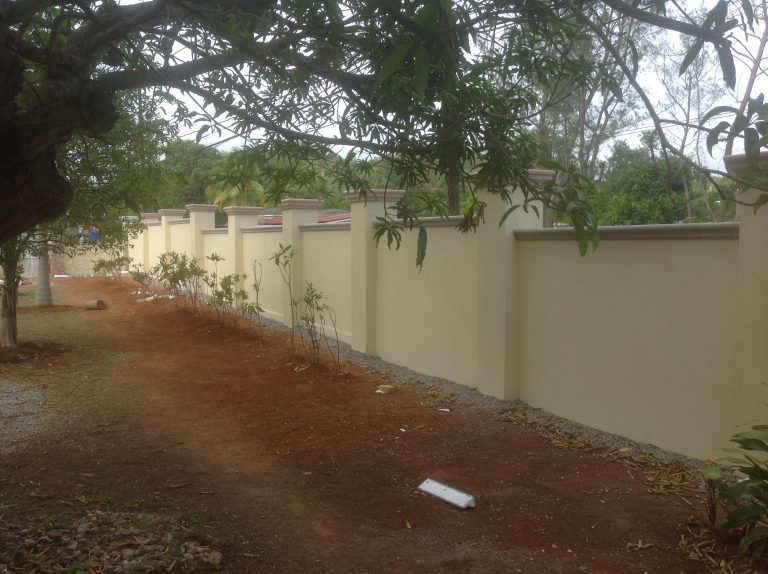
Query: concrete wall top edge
[
  {"x": 642, "y": 232},
  {"x": 340, "y": 226}
]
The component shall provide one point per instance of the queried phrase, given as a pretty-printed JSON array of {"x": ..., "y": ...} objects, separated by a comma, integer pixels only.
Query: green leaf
[
  {"x": 727, "y": 65},
  {"x": 752, "y": 144},
  {"x": 757, "y": 534},
  {"x": 393, "y": 63},
  {"x": 201, "y": 132},
  {"x": 742, "y": 516},
  {"x": 748, "y": 443},
  {"x": 691, "y": 55},
  {"x": 716, "y": 16},
  {"x": 421, "y": 71},
  {"x": 754, "y": 105},
  {"x": 717, "y": 110},
  {"x": 714, "y": 135},
  {"x": 507, "y": 213},
  {"x": 753, "y": 434},
  {"x": 551, "y": 164},
  {"x": 427, "y": 15},
  {"x": 581, "y": 237},
  {"x": 760, "y": 202},
  {"x": 746, "y": 6},
  {"x": 421, "y": 247}
]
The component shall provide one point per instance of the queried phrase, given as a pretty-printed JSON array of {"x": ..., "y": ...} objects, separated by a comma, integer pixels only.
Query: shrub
[{"x": 738, "y": 492}]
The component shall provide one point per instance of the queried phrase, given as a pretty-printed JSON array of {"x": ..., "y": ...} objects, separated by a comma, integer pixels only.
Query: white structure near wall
[{"x": 659, "y": 335}]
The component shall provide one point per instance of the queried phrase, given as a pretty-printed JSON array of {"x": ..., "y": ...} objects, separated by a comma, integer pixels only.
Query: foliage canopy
[{"x": 446, "y": 86}]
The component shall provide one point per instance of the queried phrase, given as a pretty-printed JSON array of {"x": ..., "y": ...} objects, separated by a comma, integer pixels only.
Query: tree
[
  {"x": 404, "y": 80},
  {"x": 186, "y": 168},
  {"x": 639, "y": 189},
  {"x": 110, "y": 176},
  {"x": 582, "y": 119},
  {"x": 11, "y": 252},
  {"x": 234, "y": 180},
  {"x": 686, "y": 98}
]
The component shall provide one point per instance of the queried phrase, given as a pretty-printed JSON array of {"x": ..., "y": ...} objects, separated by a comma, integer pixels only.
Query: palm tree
[{"x": 235, "y": 181}]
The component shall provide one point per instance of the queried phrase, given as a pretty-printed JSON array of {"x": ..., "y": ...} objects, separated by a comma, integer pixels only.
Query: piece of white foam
[{"x": 447, "y": 493}]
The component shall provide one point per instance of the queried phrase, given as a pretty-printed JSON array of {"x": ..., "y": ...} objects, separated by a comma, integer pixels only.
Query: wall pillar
[
  {"x": 144, "y": 239},
  {"x": 167, "y": 215},
  {"x": 237, "y": 218},
  {"x": 296, "y": 212},
  {"x": 752, "y": 303},
  {"x": 201, "y": 216},
  {"x": 498, "y": 332},
  {"x": 364, "y": 264}
]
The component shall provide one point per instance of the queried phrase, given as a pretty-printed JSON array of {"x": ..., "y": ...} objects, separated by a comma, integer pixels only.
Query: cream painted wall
[
  {"x": 217, "y": 243},
  {"x": 78, "y": 265},
  {"x": 644, "y": 337},
  {"x": 636, "y": 338},
  {"x": 156, "y": 240},
  {"x": 135, "y": 250},
  {"x": 428, "y": 321},
  {"x": 327, "y": 264},
  {"x": 261, "y": 246},
  {"x": 180, "y": 239}
]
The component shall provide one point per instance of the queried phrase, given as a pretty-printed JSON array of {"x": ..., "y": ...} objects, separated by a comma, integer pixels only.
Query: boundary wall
[{"x": 659, "y": 335}]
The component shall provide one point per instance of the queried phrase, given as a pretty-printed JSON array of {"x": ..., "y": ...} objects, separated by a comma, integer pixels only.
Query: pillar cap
[
  {"x": 202, "y": 208},
  {"x": 388, "y": 195},
  {"x": 242, "y": 210},
  {"x": 149, "y": 216},
  {"x": 292, "y": 203},
  {"x": 739, "y": 165},
  {"x": 172, "y": 212},
  {"x": 541, "y": 175}
]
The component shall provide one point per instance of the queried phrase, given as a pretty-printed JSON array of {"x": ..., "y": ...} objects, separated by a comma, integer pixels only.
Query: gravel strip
[{"x": 21, "y": 413}]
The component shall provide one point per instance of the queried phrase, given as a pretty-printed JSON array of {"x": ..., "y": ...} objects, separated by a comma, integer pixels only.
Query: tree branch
[{"x": 713, "y": 36}]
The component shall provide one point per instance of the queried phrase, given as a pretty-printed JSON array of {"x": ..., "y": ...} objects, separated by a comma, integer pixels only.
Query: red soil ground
[{"x": 304, "y": 470}]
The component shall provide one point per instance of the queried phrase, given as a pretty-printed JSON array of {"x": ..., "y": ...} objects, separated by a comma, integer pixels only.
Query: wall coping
[
  {"x": 262, "y": 229},
  {"x": 242, "y": 210},
  {"x": 541, "y": 175},
  {"x": 153, "y": 223},
  {"x": 149, "y": 216},
  {"x": 388, "y": 195},
  {"x": 450, "y": 221},
  {"x": 218, "y": 230},
  {"x": 202, "y": 208},
  {"x": 172, "y": 212},
  {"x": 293, "y": 203},
  {"x": 335, "y": 226},
  {"x": 729, "y": 230},
  {"x": 178, "y": 221}
]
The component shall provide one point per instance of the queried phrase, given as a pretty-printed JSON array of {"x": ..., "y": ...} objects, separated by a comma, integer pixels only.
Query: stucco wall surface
[{"x": 637, "y": 338}]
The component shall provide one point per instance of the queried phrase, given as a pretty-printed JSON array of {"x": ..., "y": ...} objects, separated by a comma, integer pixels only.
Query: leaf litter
[
  {"x": 660, "y": 477},
  {"x": 101, "y": 541}
]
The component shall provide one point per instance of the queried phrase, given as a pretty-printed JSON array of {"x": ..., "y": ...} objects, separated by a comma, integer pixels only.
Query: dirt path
[{"x": 141, "y": 407}]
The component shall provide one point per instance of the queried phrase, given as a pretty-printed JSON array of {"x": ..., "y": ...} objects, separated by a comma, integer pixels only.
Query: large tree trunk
[
  {"x": 453, "y": 189},
  {"x": 31, "y": 189},
  {"x": 43, "y": 295},
  {"x": 10, "y": 293}
]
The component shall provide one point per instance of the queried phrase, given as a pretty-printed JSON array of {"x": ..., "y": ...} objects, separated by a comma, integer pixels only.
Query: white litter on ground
[{"x": 447, "y": 493}]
